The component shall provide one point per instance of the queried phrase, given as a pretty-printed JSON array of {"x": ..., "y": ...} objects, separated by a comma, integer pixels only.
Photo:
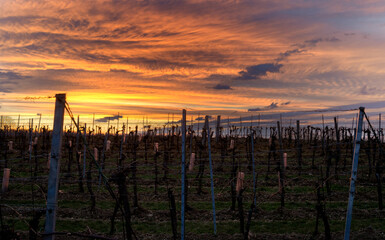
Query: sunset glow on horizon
[{"x": 153, "y": 58}]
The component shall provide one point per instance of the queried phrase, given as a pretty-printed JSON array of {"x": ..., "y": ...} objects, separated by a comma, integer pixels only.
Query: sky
[{"x": 154, "y": 57}]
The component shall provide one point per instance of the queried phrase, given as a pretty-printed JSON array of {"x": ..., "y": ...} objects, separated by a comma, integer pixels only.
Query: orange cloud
[{"x": 156, "y": 57}]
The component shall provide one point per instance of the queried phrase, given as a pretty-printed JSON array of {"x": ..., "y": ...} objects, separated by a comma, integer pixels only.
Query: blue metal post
[
  {"x": 54, "y": 169},
  {"x": 183, "y": 172},
  {"x": 211, "y": 174},
  {"x": 353, "y": 177}
]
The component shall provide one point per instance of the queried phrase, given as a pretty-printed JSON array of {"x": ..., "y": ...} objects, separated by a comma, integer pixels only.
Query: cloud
[
  {"x": 313, "y": 42},
  {"x": 5, "y": 90},
  {"x": 288, "y": 53},
  {"x": 150, "y": 63},
  {"x": 9, "y": 80},
  {"x": 219, "y": 77},
  {"x": 106, "y": 119},
  {"x": 41, "y": 80},
  {"x": 118, "y": 70},
  {"x": 365, "y": 90},
  {"x": 222, "y": 87},
  {"x": 198, "y": 56},
  {"x": 174, "y": 122},
  {"x": 53, "y": 23},
  {"x": 272, "y": 106},
  {"x": 202, "y": 118},
  {"x": 75, "y": 24},
  {"x": 10, "y": 75},
  {"x": 136, "y": 31},
  {"x": 258, "y": 71},
  {"x": 302, "y": 47}
]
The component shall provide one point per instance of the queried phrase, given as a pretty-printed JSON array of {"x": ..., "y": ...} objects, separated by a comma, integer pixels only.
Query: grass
[{"x": 301, "y": 226}]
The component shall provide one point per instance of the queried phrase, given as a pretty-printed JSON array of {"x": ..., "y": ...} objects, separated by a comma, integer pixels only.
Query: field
[{"x": 304, "y": 199}]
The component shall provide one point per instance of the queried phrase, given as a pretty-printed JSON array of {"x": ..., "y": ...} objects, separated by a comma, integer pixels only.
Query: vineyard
[{"x": 263, "y": 180}]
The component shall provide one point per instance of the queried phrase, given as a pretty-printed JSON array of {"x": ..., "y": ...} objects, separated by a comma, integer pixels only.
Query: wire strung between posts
[
  {"x": 375, "y": 135},
  {"x": 67, "y": 107},
  {"x": 331, "y": 110},
  {"x": 105, "y": 179}
]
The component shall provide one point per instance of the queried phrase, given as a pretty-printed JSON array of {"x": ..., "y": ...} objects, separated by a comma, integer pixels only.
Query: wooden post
[
  {"x": 4, "y": 187},
  {"x": 192, "y": 161},
  {"x": 353, "y": 177},
  {"x": 38, "y": 126},
  {"x": 240, "y": 181},
  {"x": 191, "y": 133},
  {"x": 54, "y": 170}
]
